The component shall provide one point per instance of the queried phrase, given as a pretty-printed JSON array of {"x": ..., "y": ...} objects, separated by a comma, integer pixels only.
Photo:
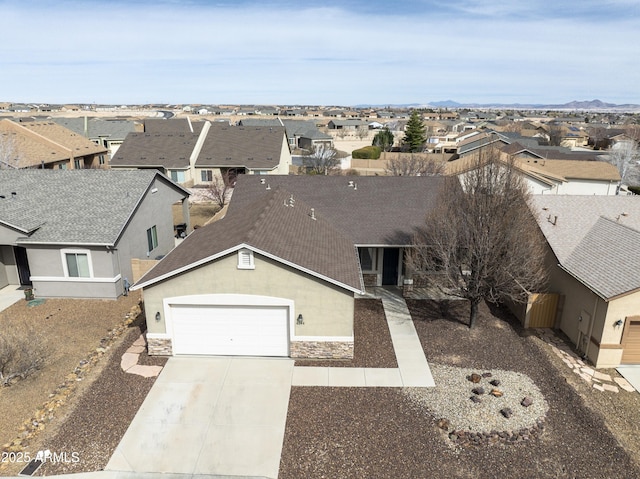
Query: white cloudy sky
[{"x": 319, "y": 52}]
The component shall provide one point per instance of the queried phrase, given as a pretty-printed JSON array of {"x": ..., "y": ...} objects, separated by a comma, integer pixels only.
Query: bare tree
[
  {"x": 626, "y": 157},
  {"x": 482, "y": 239},
  {"x": 23, "y": 351},
  {"x": 9, "y": 157},
  {"x": 362, "y": 132},
  {"x": 220, "y": 189},
  {"x": 555, "y": 134},
  {"x": 414, "y": 165},
  {"x": 321, "y": 160}
]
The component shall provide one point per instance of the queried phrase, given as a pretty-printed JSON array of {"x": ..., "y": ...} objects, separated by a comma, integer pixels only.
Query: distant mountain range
[{"x": 572, "y": 105}]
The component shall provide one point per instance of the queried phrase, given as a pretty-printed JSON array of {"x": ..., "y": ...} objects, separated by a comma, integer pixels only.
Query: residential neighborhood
[{"x": 292, "y": 321}]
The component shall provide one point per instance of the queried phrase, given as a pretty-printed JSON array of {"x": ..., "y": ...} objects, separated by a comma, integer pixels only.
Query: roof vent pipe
[{"x": 313, "y": 214}]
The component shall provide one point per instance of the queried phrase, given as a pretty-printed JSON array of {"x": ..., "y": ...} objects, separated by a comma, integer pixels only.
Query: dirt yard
[
  {"x": 199, "y": 213},
  {"x": 75, "y": 330}
]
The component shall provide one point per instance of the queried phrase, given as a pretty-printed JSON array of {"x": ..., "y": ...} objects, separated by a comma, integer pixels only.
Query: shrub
[
  {"x": 367, "y": 153},
  {"x": 23, "y": 351},
  {"x": 634, "y": 189}
]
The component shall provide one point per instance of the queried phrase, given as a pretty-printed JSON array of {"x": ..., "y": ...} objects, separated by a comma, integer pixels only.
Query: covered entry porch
[{"x": 382, "y": 265}]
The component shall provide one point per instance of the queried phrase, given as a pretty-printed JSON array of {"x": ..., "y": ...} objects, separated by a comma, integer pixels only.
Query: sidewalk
[
  {"x": 412, "y": 371},
  {"x": 9, "y": 295}
]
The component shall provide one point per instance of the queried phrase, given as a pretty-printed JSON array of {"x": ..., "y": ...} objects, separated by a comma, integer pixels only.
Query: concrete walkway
[
  {"x": 9, "y": 295},
  {"x": 631, "y": 372},
  {"x": 413, "y": 369},
  {"x": 222, "y": 416}
]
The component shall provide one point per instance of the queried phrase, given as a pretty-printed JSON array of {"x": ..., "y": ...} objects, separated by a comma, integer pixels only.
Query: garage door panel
[
  {"x": 631, "y": 342},
  {"x": 230, "y": 330}
]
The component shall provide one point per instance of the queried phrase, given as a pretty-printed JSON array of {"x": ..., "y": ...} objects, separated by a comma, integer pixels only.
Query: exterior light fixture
[
  {"x": 618, "y": 323},
  {"x": 300, "y": 319},
  {"x": 158, "y": 316}
]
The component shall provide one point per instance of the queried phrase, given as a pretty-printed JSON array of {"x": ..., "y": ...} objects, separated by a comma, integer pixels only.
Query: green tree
[
  {"x": 414, "y": 134},
  {"x": 384, "y": 139}
]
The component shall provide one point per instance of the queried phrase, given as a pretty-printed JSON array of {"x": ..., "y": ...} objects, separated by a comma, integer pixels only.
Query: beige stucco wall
[
  {"x": 578, "y": 299},
  {"x": 327, "y": 309}
]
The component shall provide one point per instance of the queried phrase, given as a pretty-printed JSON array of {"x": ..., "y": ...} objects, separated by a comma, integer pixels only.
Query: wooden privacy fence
[{"x": 541, "y": 310}]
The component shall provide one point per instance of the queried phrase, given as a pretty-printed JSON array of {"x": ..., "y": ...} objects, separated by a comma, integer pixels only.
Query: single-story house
[
  {"x": 278, "y": 274},
  {"x": 593, "y": 259},
  {"x": 45, "y": 144},
  {"x": 74, "y": 233},
  {"x": 198, "y": 155},
  {"x": 553, "y": 177}
]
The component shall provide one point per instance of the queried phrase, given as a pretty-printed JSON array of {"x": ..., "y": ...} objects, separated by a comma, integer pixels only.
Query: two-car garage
[{"x": 229, "y": 325}]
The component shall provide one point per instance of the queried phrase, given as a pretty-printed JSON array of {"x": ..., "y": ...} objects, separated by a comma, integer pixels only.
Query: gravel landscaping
[
  {"x": 384, "y": 432},
  {"x": 373, "y": 347},
  {"x": 101, "y": 416}
]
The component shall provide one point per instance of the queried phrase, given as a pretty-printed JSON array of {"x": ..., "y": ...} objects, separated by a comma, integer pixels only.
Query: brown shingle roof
[
  {"x": 377, "y": 210},
  {"x": 269, "y": 225},
  {"x": 237, "y": 146},
  {"x": 169, "y": 150},
  {"x": 44, "y": 141}
]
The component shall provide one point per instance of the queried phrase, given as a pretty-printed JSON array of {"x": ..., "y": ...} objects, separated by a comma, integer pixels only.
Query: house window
[
  {"x": 77, "y": 265},
  {"x": 152, "y": 238},
  {"x": 76, "y": 163},
  {"x": 101, "y": 159},
  {"x": 206, "y": 175},
  {"x": 177, "y": 176},
  {"x": 62, "y": 166},
  {"x": 368, "y": 259},
  {"x": 245, "y": 259}
]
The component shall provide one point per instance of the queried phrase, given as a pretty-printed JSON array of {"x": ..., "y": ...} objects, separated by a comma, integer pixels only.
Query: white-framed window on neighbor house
[
  {"x": 177, "y": 175},
  {"x": 245, "y": 259},
  {"x": 206, "y": 175},
  {"x": 77, "y": 263},
  {"x": 368, "y": 259},
  {"x": 77, "y": 163},
  {"x": 152, "y": 238}
]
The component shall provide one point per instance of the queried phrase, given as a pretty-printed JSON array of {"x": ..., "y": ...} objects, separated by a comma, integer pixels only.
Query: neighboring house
[
  {"x": 74, "y": 233},
  {"x": 45, "y": 144},
  {"x": 348, "y": 125},
  {"x": 278, "y": 274},
  {"x": 553, "y": 177},
  {"x": 593, "y": 258},
  {"x": 195, "y": 158},
  {"x": 300, "y": 133},
  {"x": 107, "y": 133}
]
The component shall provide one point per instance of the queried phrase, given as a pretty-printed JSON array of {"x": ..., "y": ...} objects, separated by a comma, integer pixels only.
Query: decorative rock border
[{"x": 481, "y": 439}]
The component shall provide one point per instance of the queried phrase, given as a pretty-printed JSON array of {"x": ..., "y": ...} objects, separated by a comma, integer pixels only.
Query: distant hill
[{"x": 572, "y": 105}]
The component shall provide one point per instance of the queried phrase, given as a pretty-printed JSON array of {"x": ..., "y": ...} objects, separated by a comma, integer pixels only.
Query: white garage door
[{"x": 230, "y": 330}]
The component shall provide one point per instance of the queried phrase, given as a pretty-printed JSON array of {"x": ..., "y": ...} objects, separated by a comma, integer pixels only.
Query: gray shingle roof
[
  {"x": 168, "y": 150},
  {"x": 71, "y": 206},
  {"x": 595, "y": 238},
  {"x": 271, "y": 225},
  {"x": 576, "y": 215},
  {"x": 250, "y": 147},
  {"x": 607, "y": 259},
  {"x": 113, "y": 129}
]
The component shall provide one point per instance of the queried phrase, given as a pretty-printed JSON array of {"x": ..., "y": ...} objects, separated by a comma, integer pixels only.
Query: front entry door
[
  {"x": 390, "y": 261},
  {"x": 23, "y": 265}
]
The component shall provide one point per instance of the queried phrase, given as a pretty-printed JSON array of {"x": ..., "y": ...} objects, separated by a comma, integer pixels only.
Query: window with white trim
[
  {"x": 206, "y": 175},
  {"x": 368, "y": 258},
  {"x": 245, "y": 259},
  {"x": 77, "y": 264},
  {"x": 152, "y": 238}
]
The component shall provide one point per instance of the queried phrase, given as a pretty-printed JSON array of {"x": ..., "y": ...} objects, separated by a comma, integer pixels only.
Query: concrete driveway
[{"x": 210, "y": 415}]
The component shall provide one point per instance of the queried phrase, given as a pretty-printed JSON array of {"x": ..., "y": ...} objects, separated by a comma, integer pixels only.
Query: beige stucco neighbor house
[
  {"x": 198, "y": 156},
  {"x": 278, "y": 274},
  {"x": 593, "y": 258},
  {"x": 47, "y": 145}
]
